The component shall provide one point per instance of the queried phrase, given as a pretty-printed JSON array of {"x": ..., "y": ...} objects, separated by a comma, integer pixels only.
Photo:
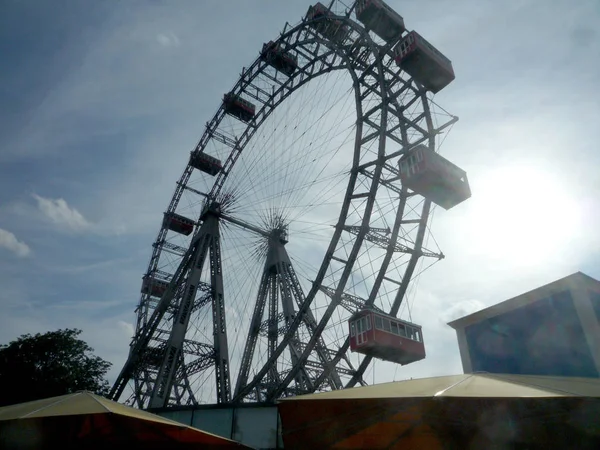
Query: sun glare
[{"x": 523, "y": 215}]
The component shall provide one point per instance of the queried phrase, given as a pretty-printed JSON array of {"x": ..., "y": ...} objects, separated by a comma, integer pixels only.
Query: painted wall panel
[
  {"x": 178, "y": 416},
  {"x": 256, "y": 427},
  {"x": 216, "y": 421},
  {"x": 542, "y": 338},
  {"x": 595, "y": 299}
]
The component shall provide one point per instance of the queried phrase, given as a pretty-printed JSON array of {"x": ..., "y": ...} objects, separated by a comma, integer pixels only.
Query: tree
[{"x": 50, "y": 364}]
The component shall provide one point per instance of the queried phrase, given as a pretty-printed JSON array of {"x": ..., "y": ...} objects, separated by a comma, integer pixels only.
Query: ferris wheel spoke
[
  {"x": 305, "y": 307},
  {"x": 245, "y": 225},
  {"x": 291, "y": 216}
]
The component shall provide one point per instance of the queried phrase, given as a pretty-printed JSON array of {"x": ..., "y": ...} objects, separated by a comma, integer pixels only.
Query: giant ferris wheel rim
[
  {"x": 338, "y": 50},
  {"x": 351, "y": 65},
  {"x": 334, "y": 49}
]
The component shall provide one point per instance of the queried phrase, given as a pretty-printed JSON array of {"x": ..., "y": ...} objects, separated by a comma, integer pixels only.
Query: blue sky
[{"x": 102, "y": 102}]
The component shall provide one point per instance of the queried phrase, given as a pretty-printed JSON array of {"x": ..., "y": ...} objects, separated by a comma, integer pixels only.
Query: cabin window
[
  {"x": 413, "y": 334},
  {"x": 419, "y": 336},
  {"x": 364, "y": 324},
  {"x": 368, "y": 319},
  {"x": 386, "y": 325},
  {"x": 401, "y": 330},
  {"x": 378, "y": 323},
  {"x": 404, "y": 47},
  {"x": 394, "y": 328},
  {"x": 411, "y": 164},
  {"x": 418, "y": 155},
  {"x": 352, "y": 329}
]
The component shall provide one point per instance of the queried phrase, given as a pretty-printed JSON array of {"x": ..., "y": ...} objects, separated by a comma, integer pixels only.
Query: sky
[{"x": 102, "y": 102}]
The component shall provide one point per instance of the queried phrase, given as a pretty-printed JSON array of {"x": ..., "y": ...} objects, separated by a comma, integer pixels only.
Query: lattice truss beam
[
  {"x": 161, "y": 360},
  {"x": 280, "y": 288},
  {"x": 393, "y": 115},
  {"x": 393, "y": 110}
]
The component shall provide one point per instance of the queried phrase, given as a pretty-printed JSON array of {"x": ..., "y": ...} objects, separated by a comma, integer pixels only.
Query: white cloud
[
  {"x": 127, "y": 327},
  {"x": 10, "y": 242},
  {"x": 126, "y": 202},
  {"x": 462, "y": 309},
  {"x": 59, "y": 212},
  {"x": 168, "y": 39}
]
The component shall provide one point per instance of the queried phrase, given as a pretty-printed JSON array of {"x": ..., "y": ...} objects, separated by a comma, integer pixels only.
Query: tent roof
[
  {"x": 469, "y": 385},
  {"x": 75, "y": 404},
  {"x": 86, "y": 403}
]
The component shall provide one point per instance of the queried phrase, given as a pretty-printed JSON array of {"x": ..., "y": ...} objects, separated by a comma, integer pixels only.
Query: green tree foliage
[{"x": 50, "y": 364}]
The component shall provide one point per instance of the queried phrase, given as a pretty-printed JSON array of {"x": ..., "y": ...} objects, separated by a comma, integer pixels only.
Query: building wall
[
  {"x": 595, "y": 300},
  {"x": 256, "y": 426},
  {"x": 545, "y": 337}
]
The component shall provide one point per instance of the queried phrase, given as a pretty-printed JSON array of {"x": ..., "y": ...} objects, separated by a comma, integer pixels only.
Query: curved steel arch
[
  {"x": 373, "y": 75},
  {"x": 359, "y": 143}
]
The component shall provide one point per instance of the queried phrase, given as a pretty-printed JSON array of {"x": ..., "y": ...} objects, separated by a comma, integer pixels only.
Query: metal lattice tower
[{"x": 231, "y": 311}]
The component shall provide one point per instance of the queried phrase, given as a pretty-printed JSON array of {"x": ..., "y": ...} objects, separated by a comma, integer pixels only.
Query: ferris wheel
[{"x": 303, "y": 208}]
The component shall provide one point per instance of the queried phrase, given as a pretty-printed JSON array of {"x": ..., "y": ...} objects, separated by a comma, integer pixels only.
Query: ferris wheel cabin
[
  {"x": 424, "y": 62},
  {"x": 178, "y": 224},
  {"x": 154, "y": 287},
  {"x": 205, "y": 163},
  {"x": 434, "y": 177},
  {"x": 325, "y": 22},
  {"x": 376, "y": 334},
  {"x": 239, "y": 107},
  {"x": 274, "y": 55},
  {"x": 380, "y": 18}
]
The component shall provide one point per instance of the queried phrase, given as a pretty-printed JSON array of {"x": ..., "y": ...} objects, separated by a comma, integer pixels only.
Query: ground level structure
[
  {"x": 469, "y": 411},
  {"x": 552, "y": 330},
  {"x": 255, "y": 425}
]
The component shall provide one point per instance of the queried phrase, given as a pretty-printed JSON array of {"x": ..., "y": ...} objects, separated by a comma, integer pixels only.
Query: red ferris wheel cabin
[
  {"x": 434, "y": 177},
  {"x": 379, "y": 335}
]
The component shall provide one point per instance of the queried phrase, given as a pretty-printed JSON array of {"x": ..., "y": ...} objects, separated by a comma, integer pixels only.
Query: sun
[{"x": 522, "y": 214}]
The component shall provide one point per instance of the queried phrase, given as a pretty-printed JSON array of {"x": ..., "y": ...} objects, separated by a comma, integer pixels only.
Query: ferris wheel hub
[
  {"x": 246, "y": 184},
  {"x": 211, "y": 207}
]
